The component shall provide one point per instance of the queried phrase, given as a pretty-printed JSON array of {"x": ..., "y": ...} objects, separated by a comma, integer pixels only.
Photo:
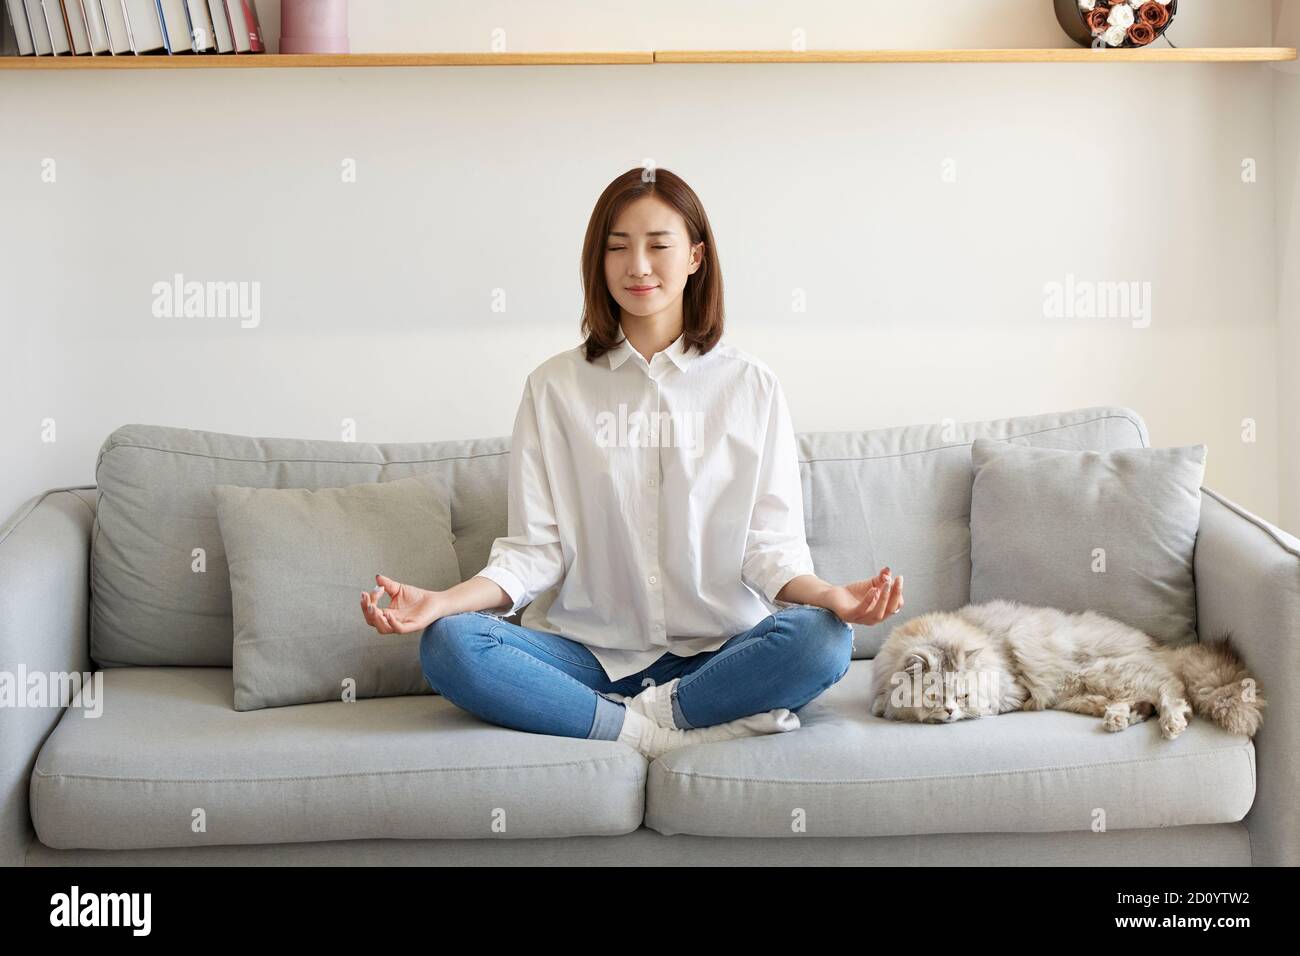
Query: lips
[{"x": 642, "y": 290}]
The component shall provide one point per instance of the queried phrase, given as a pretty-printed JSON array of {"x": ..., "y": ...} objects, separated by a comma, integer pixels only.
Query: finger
[
  {"x": 372, "y": 615},
  {"x": 880, "y": 609},
  {"x": 869, "y": 618},
  {"x": 895, "y": 596},
  {"x": 389, "y": 585},
  {"x": 868, "y": 603},
  {"x": 375, "y": 615}
]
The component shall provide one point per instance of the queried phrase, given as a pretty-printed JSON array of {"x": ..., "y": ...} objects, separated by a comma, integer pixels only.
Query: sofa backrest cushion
[
  {"x": 156, "y": 510},
  {"x": 901, "y": 497},
  {"x": 1111, "y": 532},
  {"x": 898, "y": 496}
]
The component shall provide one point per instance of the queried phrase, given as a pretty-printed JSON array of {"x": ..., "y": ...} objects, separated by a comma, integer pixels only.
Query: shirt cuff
[
  {"x": 509, "y": 583},
  {"x": 781, "y": 577}
]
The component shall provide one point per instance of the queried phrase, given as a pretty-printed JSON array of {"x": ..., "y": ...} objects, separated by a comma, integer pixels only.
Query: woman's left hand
[{"x": 867, "y": 602}]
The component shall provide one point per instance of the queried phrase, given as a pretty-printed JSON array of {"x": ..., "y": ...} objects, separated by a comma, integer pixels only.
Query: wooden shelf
[
  {"x": 193, "y": 61},
  {"x": 1076, "y": 54},
  {"x": 307, "y": 60}
]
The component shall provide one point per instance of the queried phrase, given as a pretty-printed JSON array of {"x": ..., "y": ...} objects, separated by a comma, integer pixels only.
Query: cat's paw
[
  {"x": 1174, "y": 719},
  {"x": 1034, "y": 703},
  {"x": 1116, "y": 718}
]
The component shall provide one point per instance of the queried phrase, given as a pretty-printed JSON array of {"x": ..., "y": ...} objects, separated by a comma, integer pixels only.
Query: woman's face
[{"x": 648, "y": 256}]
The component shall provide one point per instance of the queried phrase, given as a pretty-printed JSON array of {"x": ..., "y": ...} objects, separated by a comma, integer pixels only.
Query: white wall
[
  {"x": 1286, "y": 79},
  {"x": 925, "y": 298}
]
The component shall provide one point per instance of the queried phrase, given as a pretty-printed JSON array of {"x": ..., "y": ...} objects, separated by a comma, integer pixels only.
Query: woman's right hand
[{"x": 411, "y": 609}]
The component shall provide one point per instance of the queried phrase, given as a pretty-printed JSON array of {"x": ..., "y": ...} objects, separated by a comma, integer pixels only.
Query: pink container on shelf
[{"x": 314, "y": 26}]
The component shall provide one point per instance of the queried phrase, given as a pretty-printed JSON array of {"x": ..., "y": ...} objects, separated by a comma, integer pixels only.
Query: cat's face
[{"x": 937, "y": 683}]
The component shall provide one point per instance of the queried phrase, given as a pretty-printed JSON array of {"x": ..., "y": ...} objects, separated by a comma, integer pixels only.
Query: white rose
[
  {"x": 1121, "y": 15},
  {"x": 1087, "y": 4},
  {"x": 1115, "y": 36}
]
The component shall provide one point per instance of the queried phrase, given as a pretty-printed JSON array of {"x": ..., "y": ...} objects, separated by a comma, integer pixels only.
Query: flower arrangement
[{"x": 1115, "y": 23}]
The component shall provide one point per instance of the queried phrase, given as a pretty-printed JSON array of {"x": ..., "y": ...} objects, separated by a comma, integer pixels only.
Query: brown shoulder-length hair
[{"x": 702, "y": 311}]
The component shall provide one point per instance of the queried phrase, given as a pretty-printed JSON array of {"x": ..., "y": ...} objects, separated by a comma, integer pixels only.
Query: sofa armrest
[
  {"x": 1248, "y": 587},
  {"x": 45, "y": 583}
]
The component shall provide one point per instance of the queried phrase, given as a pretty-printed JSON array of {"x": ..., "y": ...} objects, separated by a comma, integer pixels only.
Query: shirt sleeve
[
  {"x": 776, "y": 549},
  {"x": 529, "y": 560}
]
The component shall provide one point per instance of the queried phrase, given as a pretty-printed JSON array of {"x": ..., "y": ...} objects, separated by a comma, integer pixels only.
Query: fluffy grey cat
[{"x": 987, "y": 659}]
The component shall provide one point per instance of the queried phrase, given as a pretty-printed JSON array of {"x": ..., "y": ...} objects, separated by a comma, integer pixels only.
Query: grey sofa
[{"x": 100, "y": 577}]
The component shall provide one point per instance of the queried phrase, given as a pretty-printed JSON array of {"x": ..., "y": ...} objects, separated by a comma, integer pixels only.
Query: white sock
[
  {"x": 656, "y": 702},
  {"x": 644, "y": 735}
]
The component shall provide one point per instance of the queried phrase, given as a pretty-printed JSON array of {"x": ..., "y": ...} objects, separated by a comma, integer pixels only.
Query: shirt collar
[{"x": 677, "y": 351}]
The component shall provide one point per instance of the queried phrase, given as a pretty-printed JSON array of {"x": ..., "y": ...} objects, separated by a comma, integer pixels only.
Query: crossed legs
[{"x": 531, "y": 680}]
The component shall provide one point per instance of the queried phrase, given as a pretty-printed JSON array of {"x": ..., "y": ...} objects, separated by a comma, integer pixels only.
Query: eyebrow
[{"x": 657, "y": 232}]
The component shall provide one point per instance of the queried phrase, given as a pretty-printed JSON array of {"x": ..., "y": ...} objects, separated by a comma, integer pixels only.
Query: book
[
  {"x": 74, "y": 18},
  {"x": 254, "y": 26},
  {"x": 245, "y": 31},
  {"x": 22, "y": 32},
  {"x": 36, "y": 23},
  {"x": 220, "y": 26},
  {"x": 176, "y": 26},
  {"x": 119, "y": 40},
  {"x": 143, "y": 26},
  {"x": 200, "y": 26},
  {"x": 52, "y": 11},
  {"x": 96, "y": 27}
]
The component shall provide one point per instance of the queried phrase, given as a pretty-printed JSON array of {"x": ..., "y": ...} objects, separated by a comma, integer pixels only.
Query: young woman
[{"x": 654, "y": 478}]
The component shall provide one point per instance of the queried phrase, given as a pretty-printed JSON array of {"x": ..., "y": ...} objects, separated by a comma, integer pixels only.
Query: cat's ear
[{"x": 915, "y": 663}]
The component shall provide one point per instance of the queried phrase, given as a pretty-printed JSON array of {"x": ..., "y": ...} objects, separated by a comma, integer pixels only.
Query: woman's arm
[
  {"x": 862, "y": 602},
  {"x": 414, "y": 609},
  {"x": 476, "y": 594},
  {"x": 777, "y": 559},
  {"x": 528, "y": 561}
]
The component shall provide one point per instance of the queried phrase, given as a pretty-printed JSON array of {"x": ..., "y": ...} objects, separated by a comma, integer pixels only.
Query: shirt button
[
  {"x": 653, "y": 579},
  {"x": 652, "y": 482}
]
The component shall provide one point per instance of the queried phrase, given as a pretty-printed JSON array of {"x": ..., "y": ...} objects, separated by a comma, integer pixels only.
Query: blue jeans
[{"x": 517, "y": 677}]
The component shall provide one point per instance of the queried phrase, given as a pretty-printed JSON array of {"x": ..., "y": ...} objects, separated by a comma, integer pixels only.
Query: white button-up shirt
[{"x": 650, "y": 503}]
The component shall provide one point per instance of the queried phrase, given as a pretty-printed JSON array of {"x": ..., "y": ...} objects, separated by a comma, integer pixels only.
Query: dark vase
[{"x": 1071, "y": 17}]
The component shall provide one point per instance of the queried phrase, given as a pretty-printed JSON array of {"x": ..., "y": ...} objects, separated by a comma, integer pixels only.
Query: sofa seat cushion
[
  {"x": 845, "y": 773},
  {"x": 169, "y": 749}
]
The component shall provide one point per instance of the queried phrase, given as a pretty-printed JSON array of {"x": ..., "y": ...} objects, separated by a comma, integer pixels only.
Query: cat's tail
[{"x": 1219, "y": 687}]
